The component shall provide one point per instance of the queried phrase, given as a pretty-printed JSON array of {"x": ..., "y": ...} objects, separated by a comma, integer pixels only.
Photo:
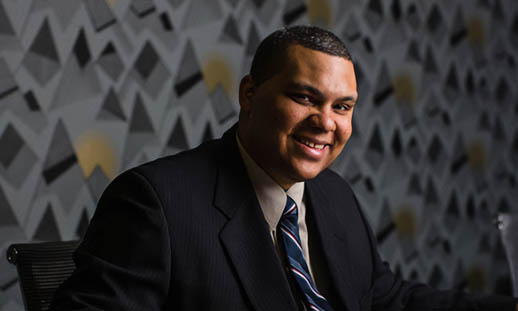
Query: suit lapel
[
  {"x": 332, "y": 239},
  {"x": 246, "y": 236}
]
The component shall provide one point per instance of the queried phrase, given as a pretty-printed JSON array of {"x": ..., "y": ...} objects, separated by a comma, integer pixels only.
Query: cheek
[{"x": 345, "y": 131}]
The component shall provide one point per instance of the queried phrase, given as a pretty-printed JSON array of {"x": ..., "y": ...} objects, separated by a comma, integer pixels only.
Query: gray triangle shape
[
  {"x": 176, "y": 3},
  {"x": 351, "y": 31},
  {"x": 384, "y": 87},
  {"x": 230, "y": 32},
  {"x": 7, "y": 83},
  {"x": 189, "y": 73},
  {"x": 458, "y": 30},
  {"x": 61, "y": 155},
  {"x": 202, "y": 12},
  {"x": 100, "y": 14},
  {"x": 111, "y": 108},
  {"x": 5, "y": 25},
  {"x": 43, "y": 43},
  {"x": 110, "y": 62},
  {"x": 7, "y": 217},
  {"x": 97, "y": 182},
  {"x": 47, "y": 229},
  {"x": 253, "y": 40},
  {"x": 140, "y": 121}
]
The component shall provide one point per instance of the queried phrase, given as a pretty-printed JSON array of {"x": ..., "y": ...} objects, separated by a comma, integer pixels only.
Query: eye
[
  {"x": 301, "y": 98},
  {"x": 342, "y": 107}
]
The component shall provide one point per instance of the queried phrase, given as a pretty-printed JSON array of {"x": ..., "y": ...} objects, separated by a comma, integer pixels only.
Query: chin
[{"x": 306, "y": 174}]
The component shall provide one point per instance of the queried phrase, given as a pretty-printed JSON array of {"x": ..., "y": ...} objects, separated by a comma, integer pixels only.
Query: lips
[{"x": 319, "y": 145}]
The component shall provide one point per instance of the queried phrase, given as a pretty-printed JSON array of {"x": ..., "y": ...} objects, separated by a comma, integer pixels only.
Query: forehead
[{"x": 317, "y": 68}]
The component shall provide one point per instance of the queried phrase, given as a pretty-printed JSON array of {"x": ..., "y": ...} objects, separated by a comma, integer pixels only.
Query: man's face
[{"x": 296, "y": 123}]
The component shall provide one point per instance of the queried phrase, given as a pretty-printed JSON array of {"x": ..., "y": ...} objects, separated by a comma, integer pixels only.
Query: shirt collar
[{"x": 271, "y": 196}]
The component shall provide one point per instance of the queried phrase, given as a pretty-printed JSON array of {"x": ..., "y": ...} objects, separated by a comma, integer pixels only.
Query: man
[{"x": 254, "y": 220}]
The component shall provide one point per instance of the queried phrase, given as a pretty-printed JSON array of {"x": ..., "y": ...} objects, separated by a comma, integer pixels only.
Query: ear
[{"x": 246, "y": 92}]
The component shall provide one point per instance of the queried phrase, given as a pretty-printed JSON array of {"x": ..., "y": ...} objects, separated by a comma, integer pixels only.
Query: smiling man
[{"x": 254, "y": 220}]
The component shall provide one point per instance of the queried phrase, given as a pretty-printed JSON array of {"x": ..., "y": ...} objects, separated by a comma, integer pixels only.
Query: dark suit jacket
[{"x": 186, "y": 232}]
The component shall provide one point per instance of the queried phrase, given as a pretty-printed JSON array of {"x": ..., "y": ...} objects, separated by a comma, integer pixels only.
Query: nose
[{"x": 323, "y": 120}]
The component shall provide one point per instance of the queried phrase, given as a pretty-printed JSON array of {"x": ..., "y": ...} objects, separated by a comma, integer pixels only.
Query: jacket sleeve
[
  {"x": 389, "y": 292},
  {"x": 123, "y": 262}
]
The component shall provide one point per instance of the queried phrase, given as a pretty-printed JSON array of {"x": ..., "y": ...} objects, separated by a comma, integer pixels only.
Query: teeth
[{"x": 313, "y": 145}]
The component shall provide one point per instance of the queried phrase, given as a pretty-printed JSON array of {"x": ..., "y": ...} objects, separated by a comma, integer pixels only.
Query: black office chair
[
  {"x": 42, "y": 267},
  {"x": 508, "y": 226}
]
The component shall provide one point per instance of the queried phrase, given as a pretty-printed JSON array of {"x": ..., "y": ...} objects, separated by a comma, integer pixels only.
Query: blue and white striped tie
[{"x": 297, "y": 264}]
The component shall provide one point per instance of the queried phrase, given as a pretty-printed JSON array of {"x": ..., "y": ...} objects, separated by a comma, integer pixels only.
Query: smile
[{"x": 311, "y": 144}]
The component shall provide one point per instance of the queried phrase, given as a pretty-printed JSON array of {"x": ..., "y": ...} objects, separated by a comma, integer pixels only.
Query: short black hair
[{"x": 268, "y": 58}]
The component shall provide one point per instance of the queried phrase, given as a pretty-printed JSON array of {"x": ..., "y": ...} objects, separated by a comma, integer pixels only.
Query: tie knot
[{"x": 290, "y": 208}]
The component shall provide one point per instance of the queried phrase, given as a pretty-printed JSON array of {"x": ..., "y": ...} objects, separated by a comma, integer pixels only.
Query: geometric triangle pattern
[{"x": 434, "y": 151}]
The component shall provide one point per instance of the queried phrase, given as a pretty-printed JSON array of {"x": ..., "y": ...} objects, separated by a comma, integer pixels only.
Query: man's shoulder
[
  {"x": 189, "y": 163},
  {"x": 333, "y": 182}
]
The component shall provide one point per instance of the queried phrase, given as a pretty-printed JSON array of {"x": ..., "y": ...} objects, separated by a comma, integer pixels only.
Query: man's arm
[{"x": 123, "y": 262}]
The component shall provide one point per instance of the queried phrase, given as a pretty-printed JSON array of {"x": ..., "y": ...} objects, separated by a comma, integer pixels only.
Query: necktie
[{"x": 297, "y": 264}]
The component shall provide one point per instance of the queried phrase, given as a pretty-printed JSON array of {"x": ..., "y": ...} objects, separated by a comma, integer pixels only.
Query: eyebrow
[{"x": 314, "y": 91}]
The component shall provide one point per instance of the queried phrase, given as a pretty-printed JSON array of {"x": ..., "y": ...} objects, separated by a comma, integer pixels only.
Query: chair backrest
[
  {"x": 508, "y": 226},
  {"x": 42, "y": 267}
]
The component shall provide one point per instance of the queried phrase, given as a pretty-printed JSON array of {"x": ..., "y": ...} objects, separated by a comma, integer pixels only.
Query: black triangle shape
[
  {"x": 470, "y": 82},
  {"x": 32, "y": 102},
  {"x": 470, "y": 207},
  {"x": 396, "y": 143},
  {"x": 291, "y": 16},
  {"x": 452, "y": 81},
  {"x": 502, "y": 90},
  {"x": 207, "y": 133},
  {"x": 413, "y": 53},
  {"x": 395, "y": 8},
  {"x": 376, "y": 142},
  {"x": 11, "y": 143},
  {"x": 140, "y": 121},
  {"x": 43, "y": 44},
  {"x": 47, "y": 229},
  {"x": 178, "y": 138},
  {"x": 436, "y": 277},
  {"x": 81, "y": 50},
  {"x": 459, "y": 29},
  {"x": 434, "y": 19},
  {"x": 82, "y": 225},
  {"x": 498, "y": 130},
  {"x": 413, "y": 150},
  {"x": 484, "y": 123},
  {"x": 430, "y": 65},
  {"x": 146, "y": 61},
  {"x": 230, "y": 31},
  {"x": 431, "y": 195},
  {"x": 375, "y": 7},
  {"x": 514, "y": 26},
  {"x": 166, "y": 22},
  {"x": 414, "y": 185},
  {"x": 453, "y": 206},
  {"x": 112, "y": 105},
  {"x": 435, "y": 149}
]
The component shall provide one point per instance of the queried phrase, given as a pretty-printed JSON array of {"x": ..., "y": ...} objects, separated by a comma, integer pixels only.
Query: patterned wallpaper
[{"x": 90, "y": 88}]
